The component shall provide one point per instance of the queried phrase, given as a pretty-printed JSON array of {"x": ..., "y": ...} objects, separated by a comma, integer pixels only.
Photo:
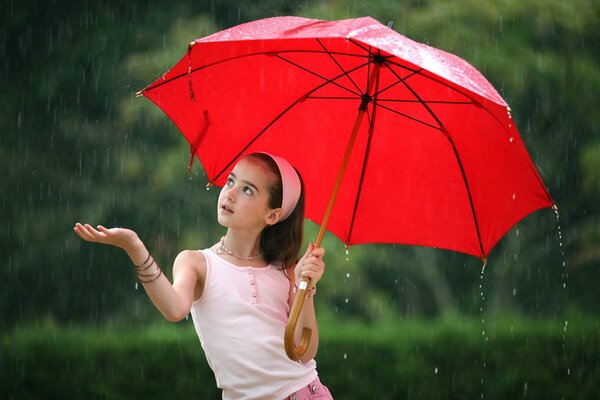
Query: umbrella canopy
[
  {"x": 440, "y": 162},
  {"x": 431, "y": 153}
]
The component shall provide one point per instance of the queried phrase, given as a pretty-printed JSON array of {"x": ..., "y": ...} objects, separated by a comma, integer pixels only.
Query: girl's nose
[{"x": 230, "y": 193}]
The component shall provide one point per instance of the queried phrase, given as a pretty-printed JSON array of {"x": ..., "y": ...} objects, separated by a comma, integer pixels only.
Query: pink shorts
[{"x": 312, "y": 391}]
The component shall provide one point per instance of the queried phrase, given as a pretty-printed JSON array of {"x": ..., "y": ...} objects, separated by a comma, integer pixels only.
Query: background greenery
[{"x": 77, "y": 145}]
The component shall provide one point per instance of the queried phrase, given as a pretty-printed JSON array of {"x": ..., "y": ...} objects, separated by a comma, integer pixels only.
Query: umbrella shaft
[{"x": 366, "y": 98}]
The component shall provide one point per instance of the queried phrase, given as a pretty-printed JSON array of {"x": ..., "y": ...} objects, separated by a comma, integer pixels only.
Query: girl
[{"x": 240, "y": 290}]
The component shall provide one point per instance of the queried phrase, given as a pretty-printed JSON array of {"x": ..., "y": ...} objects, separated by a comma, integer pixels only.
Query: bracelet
[
  {"x": 144, "y": 263},
  {"x": 309, "y": 293},
  {"x": 156, "y": 272},
  {"x": 151, "y": 274},
  {"x": 152, "y": 280},
  {"x": 143, "y": 267}
]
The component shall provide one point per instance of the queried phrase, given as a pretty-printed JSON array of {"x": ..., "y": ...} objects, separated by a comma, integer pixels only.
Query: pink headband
[{"x": 290, "y": 183}]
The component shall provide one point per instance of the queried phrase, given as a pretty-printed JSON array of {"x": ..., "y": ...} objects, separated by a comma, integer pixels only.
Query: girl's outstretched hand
[
  {"x": 120, "y": 237},
  {"x": 311, "y": 265}
]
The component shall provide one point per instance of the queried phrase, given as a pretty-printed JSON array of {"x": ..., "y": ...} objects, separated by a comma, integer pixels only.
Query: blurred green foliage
[
  {"x": 392, "y": 360},
  {"x": 77, "y": 145}
]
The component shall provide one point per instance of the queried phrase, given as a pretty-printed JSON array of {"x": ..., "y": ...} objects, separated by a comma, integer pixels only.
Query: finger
[
  {"x": 310, "y": 274},
  {"x": 313, "y": 277},
  {"x": 309, "y": 249},
  {"x": 318, "y": 252},
  {"x": 93, "y": 231},
  {"x": 313, "y": 260},
  {"x": 103, "y": 229},
  {"x": 83, "y": 233},
  {"x": 313, "y": 269}
]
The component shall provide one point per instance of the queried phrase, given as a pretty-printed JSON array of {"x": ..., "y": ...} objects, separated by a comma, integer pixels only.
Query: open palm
[{"x": 119, "y": 237}]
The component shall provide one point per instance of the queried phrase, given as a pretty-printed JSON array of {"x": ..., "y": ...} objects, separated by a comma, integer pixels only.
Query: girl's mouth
[{"x": 226, "y": 209}]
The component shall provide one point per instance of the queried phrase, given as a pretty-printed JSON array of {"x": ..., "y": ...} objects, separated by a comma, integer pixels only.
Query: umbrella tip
[{"x": 391, "y": 24}]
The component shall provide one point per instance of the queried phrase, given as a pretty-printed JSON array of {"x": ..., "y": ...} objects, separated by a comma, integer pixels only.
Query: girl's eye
[
  {"x": 229, "y": 182},
  {"x": 248, "y": 190}
]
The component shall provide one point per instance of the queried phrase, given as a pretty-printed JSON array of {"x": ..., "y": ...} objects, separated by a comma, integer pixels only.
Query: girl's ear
[{"x": 273, "y": 216}]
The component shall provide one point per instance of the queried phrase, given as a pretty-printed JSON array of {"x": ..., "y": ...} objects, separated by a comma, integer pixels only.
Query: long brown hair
[{"x": 281, "y": 243}]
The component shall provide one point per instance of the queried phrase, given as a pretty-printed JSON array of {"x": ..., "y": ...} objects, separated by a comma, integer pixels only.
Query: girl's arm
[
  {"x": 173, "y": 301},
  {"x": 311, "y": 265}
]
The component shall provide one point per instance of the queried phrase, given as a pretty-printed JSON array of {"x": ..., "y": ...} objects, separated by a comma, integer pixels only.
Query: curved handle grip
[{"x": 290, "y": 328}]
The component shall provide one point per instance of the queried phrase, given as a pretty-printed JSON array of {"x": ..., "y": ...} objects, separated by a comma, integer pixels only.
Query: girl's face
[{"x": 244, "y": 199}]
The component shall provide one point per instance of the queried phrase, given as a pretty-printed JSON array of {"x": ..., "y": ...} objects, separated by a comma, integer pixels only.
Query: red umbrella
[{"x": 404, "y": 142}]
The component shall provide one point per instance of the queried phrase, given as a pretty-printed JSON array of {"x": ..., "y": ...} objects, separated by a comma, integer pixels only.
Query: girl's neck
[{"x": 242, "y": 244}]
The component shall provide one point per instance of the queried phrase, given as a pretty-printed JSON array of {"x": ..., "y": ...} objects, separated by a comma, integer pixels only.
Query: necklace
[{"x": 222, "y": 248}]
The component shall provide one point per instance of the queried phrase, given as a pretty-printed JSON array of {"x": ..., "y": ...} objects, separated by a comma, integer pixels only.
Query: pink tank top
[{"x": 240, "y": 320}]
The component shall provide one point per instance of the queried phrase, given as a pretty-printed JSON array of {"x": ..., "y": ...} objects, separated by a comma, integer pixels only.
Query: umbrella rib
[
  {"x": 339, "y": 66},
  {"x": 401, "y": 80},
  {"x": 456, "y": 155},
  {"x": 322, "y": 77},
  {"x": 330, "y": 98},
  {"x": 184, "y": 74},
  {"x": 409, "y": 117},
  {"x": 426, "y": 101},
  {"x": 457, "y": 90},
  {"x": 281, "y": 114}
]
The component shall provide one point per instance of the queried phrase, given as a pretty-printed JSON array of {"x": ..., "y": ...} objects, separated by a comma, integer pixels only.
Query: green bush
[{"x": 452, "y": 359}]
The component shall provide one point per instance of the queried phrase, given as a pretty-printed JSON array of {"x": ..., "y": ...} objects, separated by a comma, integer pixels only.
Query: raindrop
[
  {"x": 345, "y": 356},
  {"x": 511, "y": 139},
  {"x": 565, "y": 275},
  {"x": 514, "y": 196},
  {"x": 483, "y": 335},
  {"x": 348, "y": 275},
  {"x": 347, "y": 300},
  {"x": 136, "y": 286},
  {"x": 435, "y": 371}
]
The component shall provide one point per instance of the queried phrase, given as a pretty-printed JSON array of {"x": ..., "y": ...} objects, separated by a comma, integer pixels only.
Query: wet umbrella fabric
[{"x": 435, "y": 156}]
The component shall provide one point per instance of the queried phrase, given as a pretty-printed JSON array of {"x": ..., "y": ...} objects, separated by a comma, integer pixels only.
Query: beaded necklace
[{"x": 222, "y": 248}]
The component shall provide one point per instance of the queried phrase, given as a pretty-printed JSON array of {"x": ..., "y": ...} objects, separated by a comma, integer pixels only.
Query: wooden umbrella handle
[{"x": 293, "y": 352}]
